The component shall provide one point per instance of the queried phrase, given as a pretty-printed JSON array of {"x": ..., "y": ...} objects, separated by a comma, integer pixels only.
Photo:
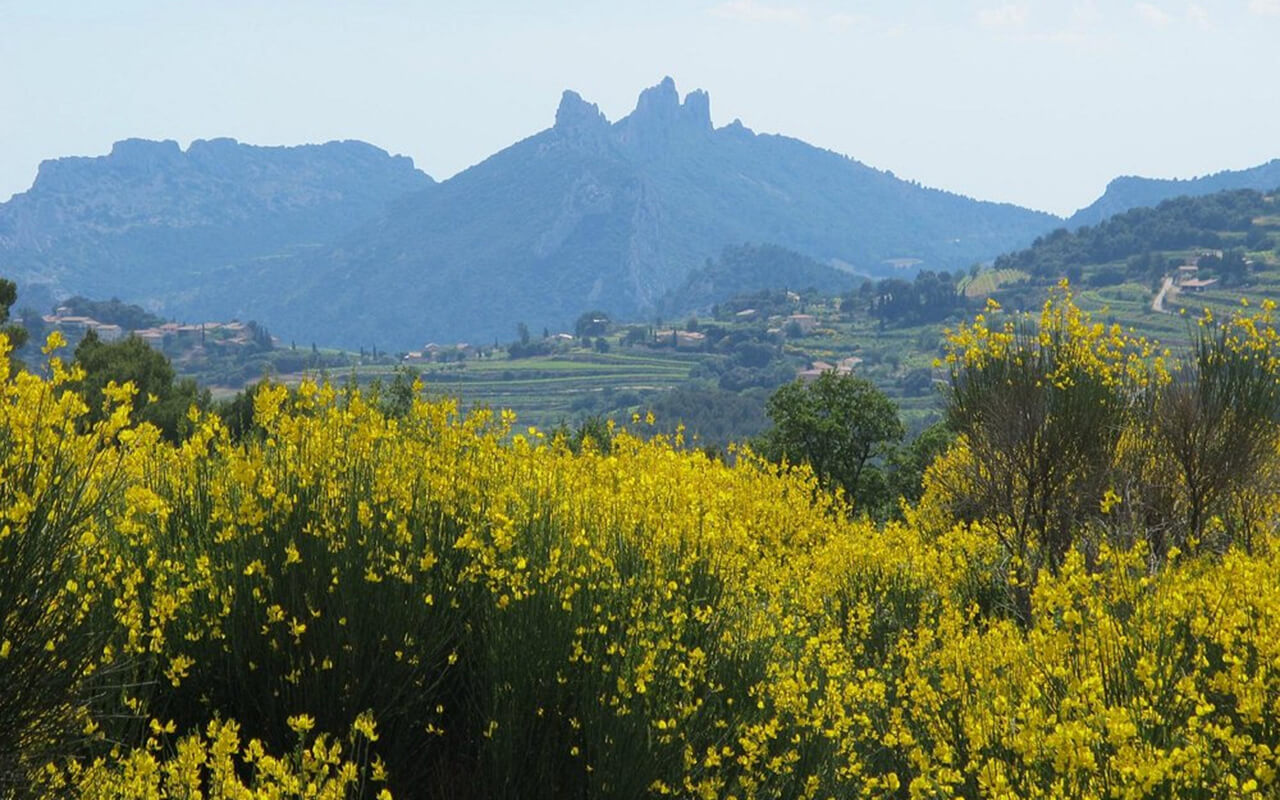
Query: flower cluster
[{"x": 634, "y": 619}]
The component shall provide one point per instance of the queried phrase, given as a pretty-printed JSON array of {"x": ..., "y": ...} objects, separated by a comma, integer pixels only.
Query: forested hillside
[{"x": 1129, "y": 192}]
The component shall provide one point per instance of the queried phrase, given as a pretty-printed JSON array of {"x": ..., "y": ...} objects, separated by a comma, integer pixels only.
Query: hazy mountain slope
[
  {"x": 1130, "y": 191},
  {"x": 155, "y": 224},
  {"x": 749, "y": 268},
  {"x": 589, "y": 214}
]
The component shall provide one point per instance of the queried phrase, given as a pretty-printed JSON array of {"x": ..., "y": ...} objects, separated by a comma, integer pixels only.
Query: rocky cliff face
[{"x": 151, "y": 215}]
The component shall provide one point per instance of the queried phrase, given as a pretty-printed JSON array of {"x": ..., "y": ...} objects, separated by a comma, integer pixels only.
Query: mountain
[
  {"x": 1118, "y": 248},
  {"x": 1131, "y": 191},
  {"x": 343, "y": 244},
  {"x": 154, "y": 223},
  {"x": 594, "y": 214}
]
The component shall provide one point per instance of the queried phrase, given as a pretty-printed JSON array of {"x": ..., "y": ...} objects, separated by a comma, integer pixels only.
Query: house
[
  {"x": 806, "y": 322},
  {"x": 688, "y": 339},
  {"x": 75, "y": 323},
  {"x": 108, "y": 333},
  {"x": 1197, "y": 284}
]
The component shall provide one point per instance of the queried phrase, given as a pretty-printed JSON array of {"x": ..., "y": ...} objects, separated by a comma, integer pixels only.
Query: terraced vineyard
[
  {"x": 985, "y": 283},
  {"x": 546, "y": 390}
]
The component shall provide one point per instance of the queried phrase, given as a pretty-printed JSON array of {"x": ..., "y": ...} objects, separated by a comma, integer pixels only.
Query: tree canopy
[
  {"x": 159, "y": 399},
  {"x": 16, "y": 333},
  {"x": 837, "y": 424}
]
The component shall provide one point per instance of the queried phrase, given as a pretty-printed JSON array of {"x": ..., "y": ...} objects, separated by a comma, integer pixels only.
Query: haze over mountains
[{"x": 344, "y": 244}]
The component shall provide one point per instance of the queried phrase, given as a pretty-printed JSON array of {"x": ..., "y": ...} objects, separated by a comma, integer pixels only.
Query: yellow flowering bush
[
  {"x": 60, "y": 483},
  {"x": 489, "y": 613},
  {"x": 218, "y": 765}
]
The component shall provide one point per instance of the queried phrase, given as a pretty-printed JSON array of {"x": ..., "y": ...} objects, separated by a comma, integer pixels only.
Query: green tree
[
  {"x": 837, "y": 425},
  {"x": 16, "y": 333},
  {"x": 160, "y": 399}
]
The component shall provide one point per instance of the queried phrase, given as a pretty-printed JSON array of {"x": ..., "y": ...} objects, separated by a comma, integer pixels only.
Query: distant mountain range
[
  {"x": 1131, "y": 191},
  {"x": 157, "y": 225},
  {"x": 343, "y": 244},
  {"x": 590, "y": 214}
]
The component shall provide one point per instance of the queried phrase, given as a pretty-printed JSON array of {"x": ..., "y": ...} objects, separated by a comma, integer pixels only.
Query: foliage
[
  {"x": 16, "y": 334},
  {"x": 1041, "y": 408},
  {"x": 160, "y": 400},
  {"x": 752, "y": 269},
  {"x": 523, "y": 621},
  {"x": 1215, "y": 416},
  {"x": 711, "y": 416},
  {"x": 1173, "y": 224},
  {"x": 836, "y": 425},
  {"x": 60, "y": 482},
  {"x": 1073, "y": 431},
  {"x": 909, "y": 463},
  {"x": 213, "y": 764},
  {"x": 591, "y": 323},
  {"x": 929, "y": 297}
]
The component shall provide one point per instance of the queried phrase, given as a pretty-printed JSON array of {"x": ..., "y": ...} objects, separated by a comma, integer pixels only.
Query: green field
[{"x": 544, "y": 390}]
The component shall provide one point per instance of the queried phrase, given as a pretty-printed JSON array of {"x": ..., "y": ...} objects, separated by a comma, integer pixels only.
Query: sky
[{"x": 1034, "y": 103}]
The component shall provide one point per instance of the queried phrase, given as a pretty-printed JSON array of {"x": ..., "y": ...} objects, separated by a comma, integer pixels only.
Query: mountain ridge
[
  {"x": 149, "y": 214},
  {"x": 588, "y": 213},
  {"x": 596, "y": 214},
  {"x": 1133, "y": 191}
]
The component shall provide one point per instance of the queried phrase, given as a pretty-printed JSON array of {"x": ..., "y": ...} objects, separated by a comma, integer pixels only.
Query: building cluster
[
  {"x": 1188, "y": 276},
  {"x": 844, "y": 366},
  {"x": 440, "y": 352},
  {"x": 75, "y": 326},
  {"x": 170, "y": 335}
]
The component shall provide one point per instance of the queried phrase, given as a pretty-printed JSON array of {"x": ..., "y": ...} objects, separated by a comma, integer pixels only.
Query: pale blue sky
[{"x": 1038, "y": 103}]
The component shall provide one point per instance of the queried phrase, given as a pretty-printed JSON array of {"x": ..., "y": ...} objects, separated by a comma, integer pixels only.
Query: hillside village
[{"x": 171, "y": 338}]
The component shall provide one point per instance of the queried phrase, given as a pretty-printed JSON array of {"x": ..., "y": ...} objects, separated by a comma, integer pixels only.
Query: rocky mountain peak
[
  {"x": 659, "y": 116},
  {"x": 696, "y": 111},
  {"x": 575, "y": 115},
  {"x": 145, "y": 151},
  {"x": 660, "y": 102}
]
